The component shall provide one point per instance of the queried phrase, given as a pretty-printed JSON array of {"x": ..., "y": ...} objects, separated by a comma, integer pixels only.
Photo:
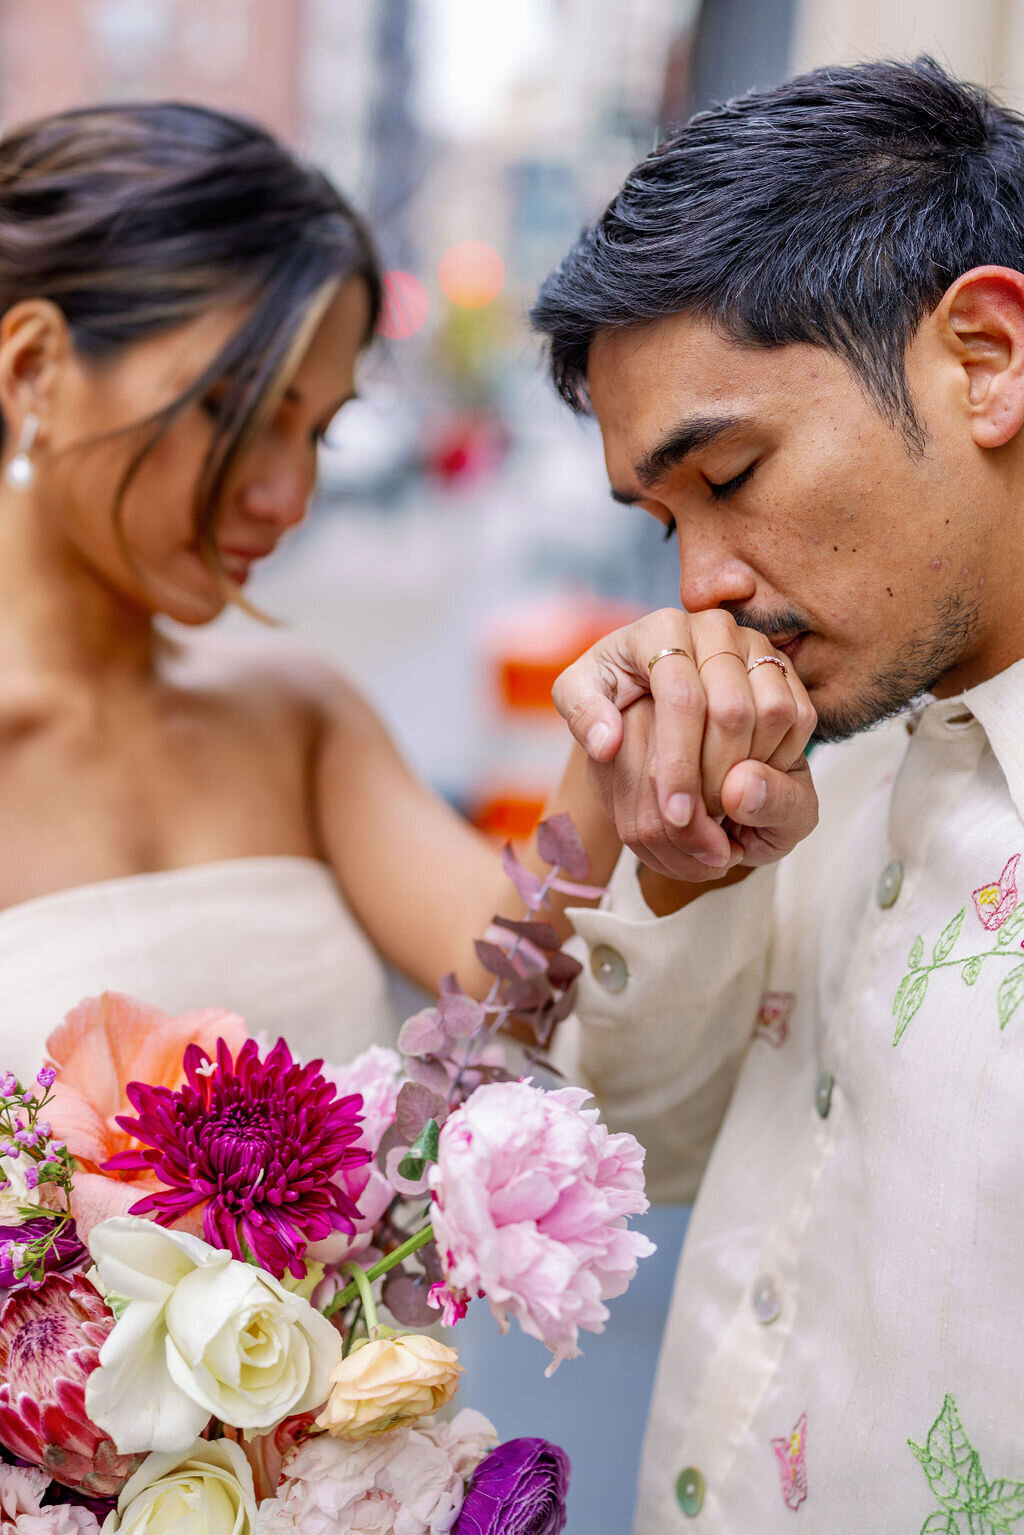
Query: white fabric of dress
[{"x": 271, "y": 938}]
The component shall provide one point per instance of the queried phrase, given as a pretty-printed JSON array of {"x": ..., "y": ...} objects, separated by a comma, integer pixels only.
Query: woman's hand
[{"x": 710, "y": 771}]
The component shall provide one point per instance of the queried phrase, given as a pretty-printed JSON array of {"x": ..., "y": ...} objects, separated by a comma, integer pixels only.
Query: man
[{"x": 800, "y": 325}]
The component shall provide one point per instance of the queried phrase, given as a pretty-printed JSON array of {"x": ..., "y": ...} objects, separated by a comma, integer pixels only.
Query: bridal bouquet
[{"x": 196, "y": 1231}]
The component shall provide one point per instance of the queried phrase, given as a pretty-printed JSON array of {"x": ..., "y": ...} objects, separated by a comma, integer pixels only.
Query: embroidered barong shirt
[{"x": 830, "y": 1056}]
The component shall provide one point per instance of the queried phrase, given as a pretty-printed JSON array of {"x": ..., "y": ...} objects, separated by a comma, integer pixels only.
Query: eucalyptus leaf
[{"x": 559, "y": 844}]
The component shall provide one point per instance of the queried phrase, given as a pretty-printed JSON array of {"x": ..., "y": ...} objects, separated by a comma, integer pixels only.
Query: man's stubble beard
[{"x": 916, "y": 668}]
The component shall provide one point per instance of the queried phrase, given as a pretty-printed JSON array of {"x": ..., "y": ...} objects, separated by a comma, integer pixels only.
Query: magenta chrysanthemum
[{"x": 257, "y": 1144}]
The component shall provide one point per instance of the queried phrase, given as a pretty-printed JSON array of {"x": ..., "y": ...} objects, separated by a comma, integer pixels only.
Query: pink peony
[
  {"x": 409, "y": 1482},
  {"x": 531, "y": 1194},
  {"x": 376, "y": 1076},
  {"x": 50, "y": 1339}
]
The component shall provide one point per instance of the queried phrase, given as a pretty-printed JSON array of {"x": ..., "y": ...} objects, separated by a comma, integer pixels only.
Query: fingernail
[
  {"x": 754, "y": 795},
  {"x": 597, "y": 738},
  {"x": 713, "y": 860},
  {"x": 679, "y": 809}
]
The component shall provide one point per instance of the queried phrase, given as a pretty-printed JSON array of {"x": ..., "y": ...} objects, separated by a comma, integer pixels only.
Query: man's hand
[{"x": 709, "y": 772}]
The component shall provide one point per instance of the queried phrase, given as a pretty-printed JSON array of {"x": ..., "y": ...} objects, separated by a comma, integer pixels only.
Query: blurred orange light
[
  {"x": 471, "y": 274},
  {"x": 405, "y": 307}
]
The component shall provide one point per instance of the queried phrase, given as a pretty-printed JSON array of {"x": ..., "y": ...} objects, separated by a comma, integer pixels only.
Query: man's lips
[{"x": 789, "y": 647}]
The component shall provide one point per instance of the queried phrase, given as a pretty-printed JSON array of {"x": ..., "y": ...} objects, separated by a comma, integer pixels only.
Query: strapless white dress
[{"x": 270, "y": 938}]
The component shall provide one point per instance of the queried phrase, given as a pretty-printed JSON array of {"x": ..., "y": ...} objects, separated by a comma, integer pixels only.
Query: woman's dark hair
[
  {"x": 834, "y": 210},
  {"x": 135, "y": 219}
]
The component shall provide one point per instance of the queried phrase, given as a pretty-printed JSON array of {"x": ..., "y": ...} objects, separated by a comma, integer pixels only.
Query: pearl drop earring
[{"x": 21, "y": 471}]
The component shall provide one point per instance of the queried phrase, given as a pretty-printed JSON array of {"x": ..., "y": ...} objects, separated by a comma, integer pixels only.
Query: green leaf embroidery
[
  {"x": 1012, "y": 926},
  {"x": 1011, "y": 994},
  {"x": 949, "y": 935},
  {"x": 953, "y": 1469},
  {"x": 901, "y": 991},
  {"x": 972, "y": 969},
  {"x": 916, "y": 954},
  {"x": 1006, "y": 1501},
  {"x": 910, "y": 1002}
]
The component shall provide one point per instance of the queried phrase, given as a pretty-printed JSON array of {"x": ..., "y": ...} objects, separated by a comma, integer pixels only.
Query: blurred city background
[{"x": 463, "y": 546}]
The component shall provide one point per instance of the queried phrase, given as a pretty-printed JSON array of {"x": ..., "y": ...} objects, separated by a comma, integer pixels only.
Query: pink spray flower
[
  {"x": 50, "y": 1340},
  {"x": 375, "y": 1076},
  {"x": 257, "y": 1143},
  {"x": 531, "y": 1194},
  {"x": 22, "y": 1511}
]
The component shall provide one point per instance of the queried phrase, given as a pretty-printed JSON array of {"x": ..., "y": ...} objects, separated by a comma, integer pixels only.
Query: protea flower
[
  {"x": 50, "y": 1340},
  {"x": 257, "y": 1144}
]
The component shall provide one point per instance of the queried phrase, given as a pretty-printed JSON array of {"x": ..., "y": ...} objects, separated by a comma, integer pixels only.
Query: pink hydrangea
[
  {"x": 409, "y": 1482},
  {"x": 376, "y": 1076},
  {"x": 531, "y": 1194}
]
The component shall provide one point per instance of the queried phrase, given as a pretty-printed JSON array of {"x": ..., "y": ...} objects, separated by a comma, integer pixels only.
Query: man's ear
[
  {"x": 980, "y": 320},
  {"x": 34, "y": 341}
]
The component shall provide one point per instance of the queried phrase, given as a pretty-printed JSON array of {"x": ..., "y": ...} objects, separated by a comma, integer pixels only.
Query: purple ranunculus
[{"x": 519, "y": 1489}]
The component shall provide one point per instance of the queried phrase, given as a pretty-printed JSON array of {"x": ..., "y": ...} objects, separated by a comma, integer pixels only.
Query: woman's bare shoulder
[{"x": 268, "y": 672}]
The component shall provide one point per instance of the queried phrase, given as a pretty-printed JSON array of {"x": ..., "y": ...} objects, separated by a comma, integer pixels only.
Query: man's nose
[{"x": 710, "y": 577}]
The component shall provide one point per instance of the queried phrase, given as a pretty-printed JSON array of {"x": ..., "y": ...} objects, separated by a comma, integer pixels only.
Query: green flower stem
[
  {"x": 361, "y": 1280},
  {"x": 367, "y": 1276},
  {"x": 946, "y": 964}
]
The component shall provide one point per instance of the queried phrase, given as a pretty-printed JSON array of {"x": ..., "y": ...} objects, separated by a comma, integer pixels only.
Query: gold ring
[
  {"x": 671, "y": 651},
  {"x": 715, "y": 653},
  {"x": 772, "y": 661}
]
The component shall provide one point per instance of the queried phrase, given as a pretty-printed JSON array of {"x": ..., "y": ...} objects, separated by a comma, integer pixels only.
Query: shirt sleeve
[{"x": 665, "y": 1010}]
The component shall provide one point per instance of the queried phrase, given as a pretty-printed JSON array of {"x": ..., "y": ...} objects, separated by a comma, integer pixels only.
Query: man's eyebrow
[{"x": 679, "y": 443}]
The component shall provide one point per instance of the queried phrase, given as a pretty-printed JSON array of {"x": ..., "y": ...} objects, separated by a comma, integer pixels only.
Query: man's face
[{"x": 802, "y": 511}]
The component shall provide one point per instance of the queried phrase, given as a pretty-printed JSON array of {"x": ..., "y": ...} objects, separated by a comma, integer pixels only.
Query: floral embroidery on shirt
[
  {"x": 999, "y": 911},
  {"x": 953, "y": 1469},
  {"x": 790, "y": 1454},
  {"x": 773, "y": 1017},
  {"x": 995, "y": 903}
]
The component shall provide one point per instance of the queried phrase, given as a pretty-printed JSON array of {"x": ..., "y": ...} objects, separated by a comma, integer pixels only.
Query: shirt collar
[{"x": 998, "y": 706}]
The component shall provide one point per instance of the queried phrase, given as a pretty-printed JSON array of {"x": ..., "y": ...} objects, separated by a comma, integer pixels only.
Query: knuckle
[
  {"x": 683, "y": 696},
  {"x": 779, "y": 711},
  {"x": 731, "y": 712}
]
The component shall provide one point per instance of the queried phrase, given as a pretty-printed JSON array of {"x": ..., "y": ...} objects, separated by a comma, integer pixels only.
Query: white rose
[
  {"x": 206, "y": 1491},
  {"x": 199, "y": 1335}
]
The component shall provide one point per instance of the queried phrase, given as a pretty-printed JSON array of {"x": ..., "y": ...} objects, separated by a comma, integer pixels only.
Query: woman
[{"x": 183, "y": 307}]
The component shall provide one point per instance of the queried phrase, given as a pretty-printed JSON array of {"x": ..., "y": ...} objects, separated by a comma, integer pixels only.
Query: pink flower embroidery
[
  {"x": 792, "y": 1466},
  {"x": 773, "y": 1018},
  {"x": 995, "y": 903}
]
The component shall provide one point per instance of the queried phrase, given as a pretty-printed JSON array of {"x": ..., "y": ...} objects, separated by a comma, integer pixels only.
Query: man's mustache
[{"x": 784, "y": 624}]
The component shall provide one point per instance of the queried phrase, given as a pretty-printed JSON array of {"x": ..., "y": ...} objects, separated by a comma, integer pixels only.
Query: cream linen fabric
[
  {"x": 890, "y": 1231},
  {"x": 270, "y": 938}
]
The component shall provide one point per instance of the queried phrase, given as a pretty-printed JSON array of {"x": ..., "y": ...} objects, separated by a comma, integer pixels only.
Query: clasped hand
[{"x": 698, "y": 759}]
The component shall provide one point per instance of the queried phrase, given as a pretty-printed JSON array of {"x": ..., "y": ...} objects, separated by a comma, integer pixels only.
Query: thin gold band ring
[
  {"x": 672, "y": 650},
  {"x": 735, "y": 654}
]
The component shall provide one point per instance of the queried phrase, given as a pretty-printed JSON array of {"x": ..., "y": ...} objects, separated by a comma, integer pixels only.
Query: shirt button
[
  {"x": 690, "y": 1491},
  {"x": 767, "y": 1301},
  {"x": 608, "y": 968},
  {"x": 889, "y": 882},
  {"x": 823, "y": 1093}
]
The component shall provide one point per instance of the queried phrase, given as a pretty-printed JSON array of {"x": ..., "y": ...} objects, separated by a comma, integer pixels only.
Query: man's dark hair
[{"x": 835, "y": 209}]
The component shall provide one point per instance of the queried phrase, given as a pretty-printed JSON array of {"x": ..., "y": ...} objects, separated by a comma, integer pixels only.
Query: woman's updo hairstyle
[{"x": 136, "y": 219}]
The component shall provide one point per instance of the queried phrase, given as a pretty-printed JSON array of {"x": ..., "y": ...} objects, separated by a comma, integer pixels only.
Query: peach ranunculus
[
  {"x": 102, "y": 1045},
  {"x": 389, "y": 1383}
]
